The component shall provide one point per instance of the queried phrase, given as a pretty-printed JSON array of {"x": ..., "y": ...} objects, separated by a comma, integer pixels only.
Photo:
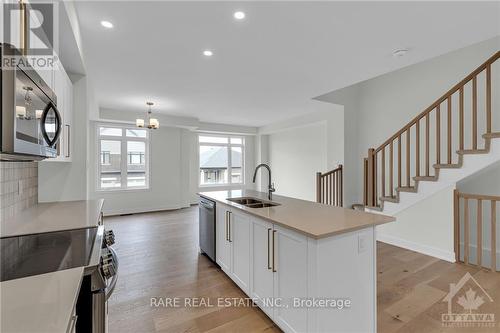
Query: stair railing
[
  {"x": 390, "y": 168},
  {"x": 476, "y": 214},
  {"x": 329, "y": 187}
]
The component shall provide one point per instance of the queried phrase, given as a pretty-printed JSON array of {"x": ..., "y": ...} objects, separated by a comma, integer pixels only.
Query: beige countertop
[
  {"x": 39, "y": 303},
  {"x": 53, "y": 216},
  {"x": 310, "y": 218}
]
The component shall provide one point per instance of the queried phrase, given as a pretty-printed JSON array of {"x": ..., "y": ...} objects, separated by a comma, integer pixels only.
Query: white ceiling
[{"x": 269, "y": 66}]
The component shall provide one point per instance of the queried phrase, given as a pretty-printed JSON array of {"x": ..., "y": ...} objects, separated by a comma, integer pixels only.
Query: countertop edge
[{"x": 314, "y": 236}]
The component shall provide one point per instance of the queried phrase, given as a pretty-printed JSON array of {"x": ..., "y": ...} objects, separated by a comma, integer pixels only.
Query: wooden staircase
[{"x": 404, "y": 161}]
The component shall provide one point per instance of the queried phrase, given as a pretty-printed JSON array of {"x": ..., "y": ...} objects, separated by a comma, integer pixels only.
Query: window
[
  {"x": 123, "y": 162},
  {"x": 221, "y": 160},
  {"x": 105, "y": 157}
]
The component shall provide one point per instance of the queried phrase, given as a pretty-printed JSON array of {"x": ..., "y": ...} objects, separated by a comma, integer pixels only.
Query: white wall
[
  {"x": 299, "y": 147},
  {"x": 295, "y": 156},
  {"x": 426, "y": 227},
  {"x": 487, "y": 182}
]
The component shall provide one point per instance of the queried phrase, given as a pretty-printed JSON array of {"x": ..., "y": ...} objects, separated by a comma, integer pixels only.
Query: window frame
[
  {"x": 229, "y": 145},
  {"x": 123, "y": 157}
]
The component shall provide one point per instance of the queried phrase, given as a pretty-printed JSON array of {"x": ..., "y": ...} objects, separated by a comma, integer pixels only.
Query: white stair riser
[{"x": 471, "y": 164}]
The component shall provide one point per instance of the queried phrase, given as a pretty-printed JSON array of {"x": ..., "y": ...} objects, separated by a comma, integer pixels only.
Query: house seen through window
[{"x": 221, "y": 160}]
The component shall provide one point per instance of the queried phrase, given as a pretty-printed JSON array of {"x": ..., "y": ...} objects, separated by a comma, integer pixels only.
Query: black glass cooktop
[{"x": 29, "y": 255}]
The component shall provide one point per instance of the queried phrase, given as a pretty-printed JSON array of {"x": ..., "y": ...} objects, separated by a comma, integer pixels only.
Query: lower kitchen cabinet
[
  {"x": 262, "y": 279},
  {"x": 290, "y": 278},
  {"x": 239, "y": 228},
  {"x": 279, "y": 273},
  {"x": 233, "y": 245},
  {"x": 223, "y": 243}
]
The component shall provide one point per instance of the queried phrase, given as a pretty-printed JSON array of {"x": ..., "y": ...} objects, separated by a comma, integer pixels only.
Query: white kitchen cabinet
[
  {"x": 67, "y": 139},
  {"x": 223, "y": 244},
  {"x": 279, "y": 272},
  {"x": 262, "y": 279},
  {"x": 239, "y": 228},
  {"x": 233, "y": 245},
  {"x": 290, "y": 278}
]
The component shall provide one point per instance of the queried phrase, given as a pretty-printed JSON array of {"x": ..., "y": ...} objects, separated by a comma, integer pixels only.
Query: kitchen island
[{"x": 310, "y": 267}]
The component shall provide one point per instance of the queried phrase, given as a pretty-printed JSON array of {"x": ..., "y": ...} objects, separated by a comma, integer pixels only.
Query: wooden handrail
[
  {"x": 441, "y": 99},
  {"x": 329, "y": 187},
  {"x": 479, "y": 196},
  {"x": 465, "y": 223},
  {"x": 405, "y": 160}
]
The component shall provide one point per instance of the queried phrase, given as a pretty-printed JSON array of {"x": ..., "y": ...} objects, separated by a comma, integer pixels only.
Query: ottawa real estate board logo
[{"x": 467, "y": 302}]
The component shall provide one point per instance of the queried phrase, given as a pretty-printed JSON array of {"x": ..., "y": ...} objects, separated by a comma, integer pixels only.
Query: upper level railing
[
  {"x": 428, "y": 139},
  {"x": 329, "y": 187},
  {"x": 475, "y": 228}
]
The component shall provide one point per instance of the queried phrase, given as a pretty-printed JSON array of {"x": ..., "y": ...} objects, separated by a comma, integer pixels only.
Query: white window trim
[
  {"x": 123, "y": 161},
  {"x": 229, "y": 167}
]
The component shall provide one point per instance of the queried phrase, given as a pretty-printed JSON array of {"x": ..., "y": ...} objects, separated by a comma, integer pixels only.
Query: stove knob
[
  {"x": 109, "y": 237},
  {"x": 107, "y": 257},
  {"x": 108, "y": 270}
]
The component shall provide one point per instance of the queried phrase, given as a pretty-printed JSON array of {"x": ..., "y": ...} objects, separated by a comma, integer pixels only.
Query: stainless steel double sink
[{"x": 253, "y": 202}]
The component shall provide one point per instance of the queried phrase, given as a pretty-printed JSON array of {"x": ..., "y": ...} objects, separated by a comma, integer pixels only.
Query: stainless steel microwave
[{"x": 30, "y": 122}]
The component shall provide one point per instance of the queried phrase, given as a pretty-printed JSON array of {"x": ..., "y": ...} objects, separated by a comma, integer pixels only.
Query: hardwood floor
[{"x": 159, "y": 259}]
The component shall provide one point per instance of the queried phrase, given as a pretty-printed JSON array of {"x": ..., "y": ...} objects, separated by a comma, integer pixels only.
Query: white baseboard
[{"x": 417, "y": 247}]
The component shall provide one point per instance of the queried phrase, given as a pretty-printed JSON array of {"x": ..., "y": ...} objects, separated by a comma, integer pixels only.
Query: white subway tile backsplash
[{"x": 18, "y": 187}]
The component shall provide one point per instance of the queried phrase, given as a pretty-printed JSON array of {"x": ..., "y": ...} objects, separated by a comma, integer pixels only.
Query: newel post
[{"x": 370, "y": 186}]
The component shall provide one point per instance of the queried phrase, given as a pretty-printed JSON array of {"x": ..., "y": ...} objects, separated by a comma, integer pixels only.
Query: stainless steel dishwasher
[{"x": 207, "y": 227}]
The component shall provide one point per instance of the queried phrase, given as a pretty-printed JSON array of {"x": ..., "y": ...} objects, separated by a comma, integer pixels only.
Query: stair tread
[
  {"x": 491, "y": 135},
  {"x": 374, "y": 208},
  {"x": 447, "y": 166},
  {"x": 390, "y": 199},
  {"x": 406, "y": 189},
  {"x": 472, "y": 151},
  {"x": 425, "y": 178}
]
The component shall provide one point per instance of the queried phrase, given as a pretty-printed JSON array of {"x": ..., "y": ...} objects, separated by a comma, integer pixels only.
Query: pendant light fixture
[{"x": 151, "y": 123}]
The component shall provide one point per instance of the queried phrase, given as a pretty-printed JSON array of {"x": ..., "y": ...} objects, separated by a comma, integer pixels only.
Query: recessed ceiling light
[
  {"x": 107, "y": 24},
  {"x": 239, "y": 15},
  {"x": 208, "y": 53},
  {"x": 399, "y": 52}
]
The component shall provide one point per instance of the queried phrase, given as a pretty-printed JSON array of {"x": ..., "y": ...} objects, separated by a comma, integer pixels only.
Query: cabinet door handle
[
  {"x": 269, "y": 248},
  {"x": 274, "y": 260},
  {"x": 68, "y": 142},
  {"x": 230, "y": 228},
  {"x": 225, "y": 224}
]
